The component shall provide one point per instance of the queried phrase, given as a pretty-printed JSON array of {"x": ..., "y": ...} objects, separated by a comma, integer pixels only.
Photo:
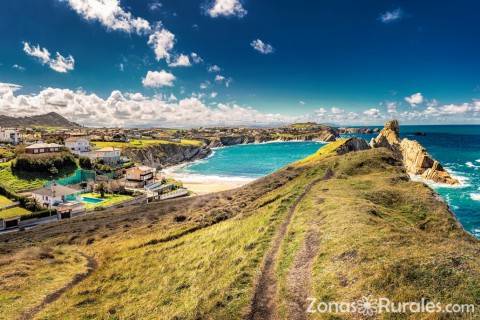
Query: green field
[
  {"x": 333, "y": 227},
  {"x": 13, "y": 212},
  {"x": 17, "y": 184},
  {"x": 109, "y": 200},
  {"x": 4, "y": 201}
]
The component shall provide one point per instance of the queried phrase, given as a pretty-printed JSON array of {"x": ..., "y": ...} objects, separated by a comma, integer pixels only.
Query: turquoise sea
[{"x": 457, "y": 147}]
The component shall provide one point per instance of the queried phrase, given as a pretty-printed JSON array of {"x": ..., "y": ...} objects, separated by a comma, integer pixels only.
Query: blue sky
[{"x": 348, "y": 62}]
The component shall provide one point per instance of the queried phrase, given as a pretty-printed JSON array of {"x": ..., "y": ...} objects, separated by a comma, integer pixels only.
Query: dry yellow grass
[{"x": 379, "y": 234}]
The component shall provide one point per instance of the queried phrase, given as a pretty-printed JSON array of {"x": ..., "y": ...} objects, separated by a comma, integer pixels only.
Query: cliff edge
[{"x": 415, "y": 157}]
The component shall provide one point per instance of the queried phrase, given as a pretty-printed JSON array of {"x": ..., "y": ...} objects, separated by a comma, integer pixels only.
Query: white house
[
  {"x": 78, "y": 145},
  {"x": 10, "y": 135},
  {"x": 53, "y": 195},
  {"x": 109, "y": 155}
]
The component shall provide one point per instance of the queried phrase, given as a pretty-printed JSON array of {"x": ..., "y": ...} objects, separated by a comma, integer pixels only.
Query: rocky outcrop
[
  {"x": 163, "y": 155},
  {"x": 352, "y": 145},
  {"x": 415, "y": 157}
]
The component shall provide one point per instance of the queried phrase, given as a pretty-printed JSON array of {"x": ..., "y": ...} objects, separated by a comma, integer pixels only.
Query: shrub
[
  {"x": 44, "y": 162},
  {"x": 85, "y": 163}
]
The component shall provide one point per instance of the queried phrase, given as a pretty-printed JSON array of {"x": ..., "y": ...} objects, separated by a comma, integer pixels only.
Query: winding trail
[
  {"x": 263, "y": 306},
  {"x": 92, "y": 265},
  {"x": 300, "y": 277}
]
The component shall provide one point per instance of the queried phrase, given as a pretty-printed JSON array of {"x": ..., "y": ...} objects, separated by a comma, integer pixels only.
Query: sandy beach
[{"x": 201, "y": 188}]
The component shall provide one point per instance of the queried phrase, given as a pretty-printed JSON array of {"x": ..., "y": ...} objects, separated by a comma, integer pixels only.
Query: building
[
  {"x": 70, "y": 209},
  {"x": 9, "y": 135},
  {"x": 138, "y": 177},
  {"x": 43, "y": 148},
  {"x": 78, "y": 145},
  {"x": 108, "y": 155},
  {"x": 54, "y": 195}
]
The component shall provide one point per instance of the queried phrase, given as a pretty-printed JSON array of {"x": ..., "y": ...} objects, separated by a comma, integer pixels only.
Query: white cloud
[
  {"x": 18, "y": 67},
  {"x": 226, "y": 8},
  {"x": 262, "y": 47},
  {"x": 301, "y": 102},
  {"x": 219, "y": 78},
  {"x": 336, "y": 110},
  {"x": 8, "y": 88},
  {"x": 391, "y": 16},
  {"x": 204, "y": 85},
  {"x": 110, "y": 14},
  {"x": 162, "y": 42},
  {"x": 415, "y": 99},
  {"x": 374, "y": 113},
  {"x": 59, "y": 63},
  {"x": 214, "y": 69},
  {"x": 156, "y": 5},
  {"x": 213, "y": 95},
  {"x": 196, "y": 58},
  {"x": 391, "y": 107},
  {"x": 157, "y": 79},
  {"x": 181, "y": 61},
  {"x": 121, "y": 67},
  {"x": 133, "y": 109}
]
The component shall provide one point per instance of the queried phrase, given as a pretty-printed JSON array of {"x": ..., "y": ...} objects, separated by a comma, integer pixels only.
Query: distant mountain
[{"x": 51, "y": 119}]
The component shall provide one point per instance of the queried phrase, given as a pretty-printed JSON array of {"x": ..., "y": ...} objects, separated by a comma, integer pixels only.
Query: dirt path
[
  {"x": 54, "y": 296},
  {"x": 263, "y": 305},
  {"x": 300, "y": 277}
]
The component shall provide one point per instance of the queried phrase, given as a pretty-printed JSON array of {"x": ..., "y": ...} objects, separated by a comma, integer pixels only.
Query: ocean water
[{"x": 456, "y": 147}]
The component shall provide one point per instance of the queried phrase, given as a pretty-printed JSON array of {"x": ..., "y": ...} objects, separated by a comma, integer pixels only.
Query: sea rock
[
  {"x": 353, "y": 144},
  {"x": 388, "y": 137},
  {"x": 415, "y": 157}
]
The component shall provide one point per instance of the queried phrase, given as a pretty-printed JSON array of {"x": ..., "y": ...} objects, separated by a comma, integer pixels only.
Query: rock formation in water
[{"x": 415, "y": 157}]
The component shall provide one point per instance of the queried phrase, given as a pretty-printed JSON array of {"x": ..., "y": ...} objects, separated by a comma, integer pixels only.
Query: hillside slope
[
  {"x": 51, "y": 119},
  {"x": 334, "y": 227}
]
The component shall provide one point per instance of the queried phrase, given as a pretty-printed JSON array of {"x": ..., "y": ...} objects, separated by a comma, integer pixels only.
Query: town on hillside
[{"x": 51, "y": 173}]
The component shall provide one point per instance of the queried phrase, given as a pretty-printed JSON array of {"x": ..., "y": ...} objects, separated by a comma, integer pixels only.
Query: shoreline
[{"x": 204, "y": 184}]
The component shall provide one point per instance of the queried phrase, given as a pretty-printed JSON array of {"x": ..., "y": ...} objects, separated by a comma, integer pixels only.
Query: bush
[
  {"x": 46, "y": 162},
  {"x": 85, "y": 163}
]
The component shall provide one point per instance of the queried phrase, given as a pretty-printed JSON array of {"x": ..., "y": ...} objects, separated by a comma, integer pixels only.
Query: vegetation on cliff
[{"x": 335, "y": 227}]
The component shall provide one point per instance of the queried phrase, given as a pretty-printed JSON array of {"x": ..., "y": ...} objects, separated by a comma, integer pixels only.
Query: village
[
  {"x": 58, "y": 173},
  {"x": 54, "y": 173}
]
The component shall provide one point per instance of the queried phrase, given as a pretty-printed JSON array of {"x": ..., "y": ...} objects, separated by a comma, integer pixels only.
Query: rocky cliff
[
  {"x": 163, "y": 155},
  {"x": 415, "y": 157},
  {"x": 326, "y": 134}
]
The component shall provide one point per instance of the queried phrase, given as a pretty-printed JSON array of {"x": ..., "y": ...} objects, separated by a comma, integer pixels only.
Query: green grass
[
  {"x": 198, "y": 258},
  {"x": 17, "y": 184},
  {"x": 4, "y": 201},
  {"x": 109, "y": 200},
  {"x": 13, "y": 212},
  {"x": 32, "y": 274}
]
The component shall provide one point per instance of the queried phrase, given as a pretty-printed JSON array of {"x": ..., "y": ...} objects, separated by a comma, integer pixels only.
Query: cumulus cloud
[
  {"x": 59, "y": 63},
  {"x": 181, "y": 60},
  {"x": 196, "y": 58},
  {"x": 415, "y": 99},
  {"x": 214, "y": 69},
  {"x": 262, "y": 47},
  {"x": 226, "y": 8},
  {"x": 391, "y": 16},
  {"x": 373, "y": 113},
  {"x": 162, "y": 42},
  {"x": 158, "y": 79},
  {"x": 110, "y": 14},
  {"x": 132, "y": 109}
]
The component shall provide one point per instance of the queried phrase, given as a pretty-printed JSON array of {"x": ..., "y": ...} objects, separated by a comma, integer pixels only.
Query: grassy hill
[{"x": 333, "y": 227}]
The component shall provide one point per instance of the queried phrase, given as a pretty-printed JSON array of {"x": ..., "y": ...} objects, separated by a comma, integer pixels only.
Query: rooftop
[{"x": 55, "y": 191}]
